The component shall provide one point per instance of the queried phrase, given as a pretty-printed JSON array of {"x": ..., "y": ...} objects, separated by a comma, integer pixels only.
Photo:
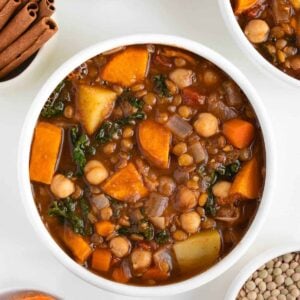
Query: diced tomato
[{"x": 191, "y": 97}]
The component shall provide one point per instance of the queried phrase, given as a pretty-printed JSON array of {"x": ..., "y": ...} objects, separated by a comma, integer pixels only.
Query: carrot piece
[
  {"x": 239, "y": 133},
  {"x": 32, "y": 296},
  {"x": 44, "y": 152},
  {"x": 243, "y": 5},
  {"x": 155, "y": 273},
  {"x": 119, "y": 275},
  {"x": 104, "y": 228},
  {"x": 94, "y": 104},
  {"x": 101, "y": 259},
  {"x": 125, "y": 185},
  {"x": 127, "y": 67},
  {"x": 248, "y": 181},
  {"x": 80, "y": 249},
  {"x": 154, "y": 141}
]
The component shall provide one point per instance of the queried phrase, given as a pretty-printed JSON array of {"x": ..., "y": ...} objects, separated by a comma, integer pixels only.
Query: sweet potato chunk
[
  {"x": 101, "y": 260},
  {"x": 154, "y": 141},
  {"x": 248, "y": 181},
  {"x": 44, "y": 152},
  {"x": 127, "y": 67},
  {"x": 80, "y": 249},
  {"x": 243, "y": 5},
  {"x": 94, "y": 105},
  {"x": 125, "y": 185},
  {"x": 239, "y": 133}
]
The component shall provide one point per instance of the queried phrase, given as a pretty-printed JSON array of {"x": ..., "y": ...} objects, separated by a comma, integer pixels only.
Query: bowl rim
[
  {"x": 244, "y": 44},
  {"x": 24, "y": 153},
  {"x": 256, "y": 263}
]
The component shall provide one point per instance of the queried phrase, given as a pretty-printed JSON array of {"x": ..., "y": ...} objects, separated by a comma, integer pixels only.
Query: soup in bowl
[{"x": 147, "y": 165}]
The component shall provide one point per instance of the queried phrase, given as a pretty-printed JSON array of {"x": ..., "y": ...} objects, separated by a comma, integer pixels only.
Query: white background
[{"x": 24, "y": 260}]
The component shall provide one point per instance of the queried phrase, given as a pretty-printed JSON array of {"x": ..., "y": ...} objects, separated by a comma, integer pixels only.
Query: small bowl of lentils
[{"x": 273, "y": 275}]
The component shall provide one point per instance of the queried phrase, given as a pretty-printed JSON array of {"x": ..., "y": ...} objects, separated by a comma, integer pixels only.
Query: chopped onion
[
  {"x": 100, "y": 201},
  {"x": 198, "y": 152},
  {"x": 181, "y": 176},
  {"x": 155, "y": 206},
  {"x": 233, "y": 94},
  {"x": 179, "y": 127},
  {"x": 163, "y": 259}
]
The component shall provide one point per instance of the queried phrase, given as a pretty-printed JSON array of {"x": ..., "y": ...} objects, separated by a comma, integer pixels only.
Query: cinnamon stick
[
  {"x": 2, "y": 3},
  {"x": 31, "y": 41},
  {"x": 18, "y": 24},
  {"x": 46, "y": 8},
  {"x": 7, "y": 11}
]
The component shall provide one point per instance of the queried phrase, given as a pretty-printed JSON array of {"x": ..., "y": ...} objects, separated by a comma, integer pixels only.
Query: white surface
[
  {"x": 23, "y": 258},
  {"x": 25, "y": 144}
]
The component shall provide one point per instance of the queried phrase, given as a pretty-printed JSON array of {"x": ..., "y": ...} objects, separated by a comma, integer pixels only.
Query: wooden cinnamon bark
[
  {"x": 18, "y": 24},
  {"x": 8, "y": 10},
  {"x": 46, "y": 8},
  {"x": 31, "y": 41}
]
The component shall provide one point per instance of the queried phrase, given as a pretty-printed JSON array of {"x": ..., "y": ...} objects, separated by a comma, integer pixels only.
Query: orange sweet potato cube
[
  {"x": 127, "y": 67},
  {"x": 44, "y": 152},
  {"x": 125, "y": 185}
]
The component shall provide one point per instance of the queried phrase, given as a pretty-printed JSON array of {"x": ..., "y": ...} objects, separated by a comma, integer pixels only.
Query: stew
[
  {"x": 273, "y": 27},
  {"x": 147, "y": 164}
]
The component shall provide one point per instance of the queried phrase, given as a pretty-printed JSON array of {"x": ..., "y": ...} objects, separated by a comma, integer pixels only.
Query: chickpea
[
  {"x": 61, "y": 186},
  {"x": 190, "y": 222},
  {"x": 118, "y": 89},
  {"x": 185, "y": 199},
  {"x": 180, "y": 149},
  {"x": 120, "y": 246},
  {"x": 126, "y": 144},
  {"x": 95, "y": 172},
  {"x": 185, "y": 111},
  {"x": 106, "y": 213},
  {"x": 172, "y": 87},
  {"x": 257, "y": 31},
  {"x": 221, "y": 189},
  {"x": 179, "y": 235},
  {"x": 185, "y": 160},
  {"x": 150, "y": 99},
  {"x": 208, "y": 223},
  {"x": 141, "y": 259},
  {"x": 109, "y": 148},
  {"x": 206, "y": 125},
  {"x": 137, "y": 87},
  {"x": 202, "y": 199},
  {"x": 128, "y": 132},
  {"x": 182, "y": 77}
]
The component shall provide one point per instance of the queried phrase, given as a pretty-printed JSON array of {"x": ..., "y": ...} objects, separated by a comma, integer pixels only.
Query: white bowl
[
  {"x": 242, "y": 41},
  {"x": 255, "y": 264},
  {"x": 24, "y": 154}
]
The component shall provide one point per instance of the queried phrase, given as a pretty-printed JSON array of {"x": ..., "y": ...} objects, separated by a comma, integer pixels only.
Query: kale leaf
[
  {"x": 56, "y": 102},
  {"x": 81, "y": 148},
  {"x": 162, "y": 237},
  {"x": 111, "y": 129},
  {"x": 143, "y": 228},
  {"x": 210, "y": 205},
  {"x": 160, "y": 86}
]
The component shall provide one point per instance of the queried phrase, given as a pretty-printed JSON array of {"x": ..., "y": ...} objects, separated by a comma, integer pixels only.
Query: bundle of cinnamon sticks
[{"x": 25, "y": 26}]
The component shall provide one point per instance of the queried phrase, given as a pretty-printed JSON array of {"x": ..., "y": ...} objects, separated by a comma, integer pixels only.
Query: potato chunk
[
  {"x": 127, "y": 67},
  {"x": 154, "y": 141},
  {"x": 125, "y": 185},
  {"x": 94, "y": 105},
  {"x": 44, "y": 152},
  {"x": 201, "y": 250}
]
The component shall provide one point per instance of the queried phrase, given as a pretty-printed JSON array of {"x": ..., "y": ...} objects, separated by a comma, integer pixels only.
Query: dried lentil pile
[{"x": 277, "y": 279}]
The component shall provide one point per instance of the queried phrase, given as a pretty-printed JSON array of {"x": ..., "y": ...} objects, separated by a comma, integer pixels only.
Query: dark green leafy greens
[
  {"x": 144, "y": 228},
  {"x": 160, "y": 86},
  {"x": 56, "y": 102},
  {"x": 162, "y": 237},
  {"x": 116, "y": 206},
  {"x": 111, "y": 129},
  {"x": 81, "y": 148},
  {"x": 210, "y": 205},
  {"x": 128, "y": 96},
  {"x": 73, "y": 213}
]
